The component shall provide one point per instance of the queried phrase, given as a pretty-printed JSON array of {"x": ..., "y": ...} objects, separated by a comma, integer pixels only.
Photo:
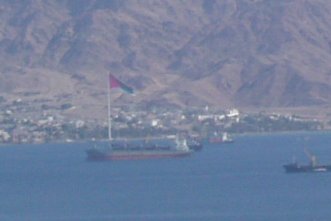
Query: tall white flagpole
[{"x": 109, "y": 112}]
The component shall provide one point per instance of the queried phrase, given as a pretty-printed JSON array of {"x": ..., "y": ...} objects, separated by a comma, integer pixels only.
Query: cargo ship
[
  {"x": 130, "y": 150},
  {"x": 313, "y": 166},
  {"x": 135, "y": 151}
]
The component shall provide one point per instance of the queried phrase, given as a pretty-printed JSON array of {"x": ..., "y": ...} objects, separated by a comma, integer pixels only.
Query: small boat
[
  {"x": 225, "y": 138},
  {"x": 313, "y": 166},
  {"x": 194, "y": 144}
]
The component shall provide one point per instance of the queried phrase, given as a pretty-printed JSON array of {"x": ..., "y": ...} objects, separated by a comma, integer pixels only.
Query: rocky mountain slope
[{"x": 242, "y": 53}]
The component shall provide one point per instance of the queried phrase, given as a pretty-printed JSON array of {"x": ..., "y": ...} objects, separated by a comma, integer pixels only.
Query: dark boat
[
  {"x": 296, "y": 168},
  {"x": 313, "y": 166},
  {"x": 194, "y": 143}
]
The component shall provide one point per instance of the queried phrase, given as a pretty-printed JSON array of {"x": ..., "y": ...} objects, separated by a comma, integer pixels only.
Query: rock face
[{"x": 243, "y": 53}]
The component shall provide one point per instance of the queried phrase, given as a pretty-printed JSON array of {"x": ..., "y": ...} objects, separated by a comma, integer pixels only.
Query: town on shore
[{"x": 19, "y": 124}]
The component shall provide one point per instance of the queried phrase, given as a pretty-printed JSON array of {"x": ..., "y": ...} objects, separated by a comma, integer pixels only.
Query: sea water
[{"x": 239, "y": 181}]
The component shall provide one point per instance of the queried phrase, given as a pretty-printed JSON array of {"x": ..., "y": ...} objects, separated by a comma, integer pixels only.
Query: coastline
[
  {"x": 302, "y": 132},
  {"x": 235, "y": 135}
]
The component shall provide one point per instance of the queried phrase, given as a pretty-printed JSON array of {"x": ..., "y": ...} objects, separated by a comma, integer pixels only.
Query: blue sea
[{"x": 242, "y": 181}]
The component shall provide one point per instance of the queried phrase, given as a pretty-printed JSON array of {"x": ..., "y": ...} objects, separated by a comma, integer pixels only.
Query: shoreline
[
  {"x": 279, "y": 133},
  {"x": 246, "y": 134}
]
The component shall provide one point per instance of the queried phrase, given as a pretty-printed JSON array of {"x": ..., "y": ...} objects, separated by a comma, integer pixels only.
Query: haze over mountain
[{"x": 230, "y": 53}]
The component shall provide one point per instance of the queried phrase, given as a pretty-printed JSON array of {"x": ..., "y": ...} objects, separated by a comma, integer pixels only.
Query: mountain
[{"x": 232, "y": 53}]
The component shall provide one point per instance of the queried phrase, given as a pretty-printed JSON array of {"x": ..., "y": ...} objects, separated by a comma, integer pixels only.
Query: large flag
[{"x": 115, "y": 83}]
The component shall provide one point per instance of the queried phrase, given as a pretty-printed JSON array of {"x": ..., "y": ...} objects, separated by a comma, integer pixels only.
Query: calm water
[{"x": 240, "y": 181}]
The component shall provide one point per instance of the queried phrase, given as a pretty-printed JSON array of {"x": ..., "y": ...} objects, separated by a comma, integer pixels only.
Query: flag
[{"x": 115, "y": 83}]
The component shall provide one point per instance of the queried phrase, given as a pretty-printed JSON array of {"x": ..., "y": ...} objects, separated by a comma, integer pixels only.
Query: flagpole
[
  {"x": 109, "y": 112},
  {"x": 114, "y": 83}
]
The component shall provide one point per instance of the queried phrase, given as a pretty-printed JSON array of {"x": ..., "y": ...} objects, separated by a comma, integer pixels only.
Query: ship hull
[
  {"x": 295, "y": 168},
  {"x": 219, "y": 141},
  {"x": 97, "y": 155},
  {"x": 196, "y": 147}
]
